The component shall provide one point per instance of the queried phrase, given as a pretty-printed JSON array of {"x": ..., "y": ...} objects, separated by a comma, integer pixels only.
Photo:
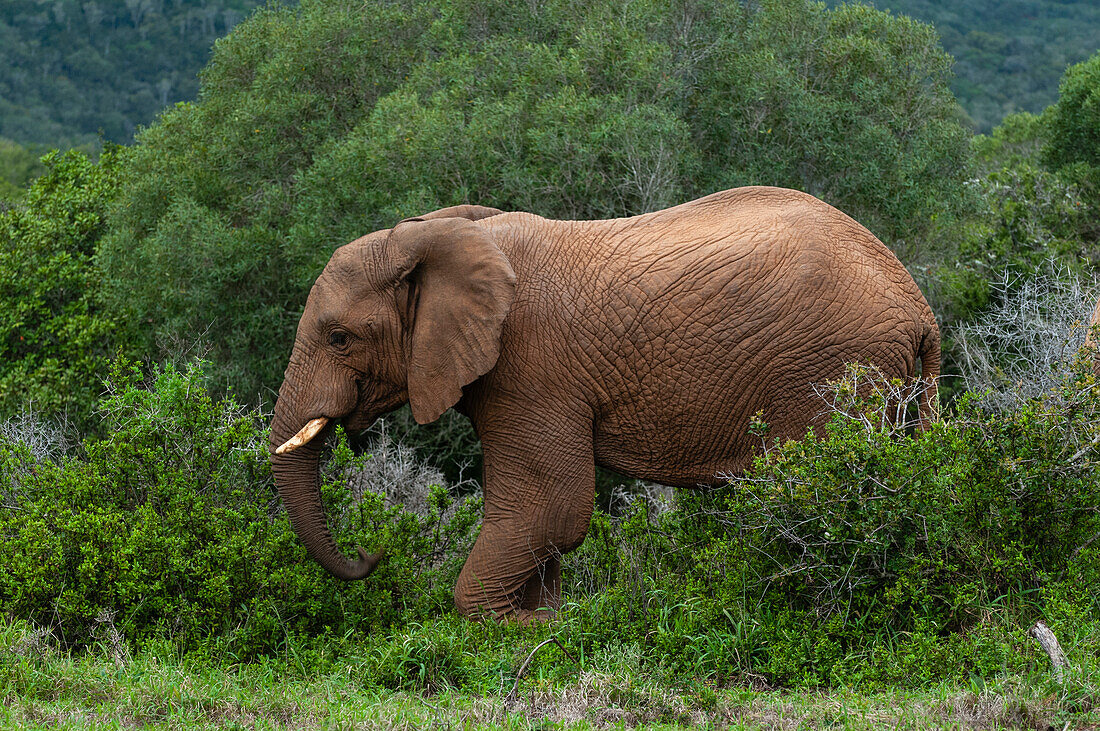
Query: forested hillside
[
  {"x": 72, "y": 70},
  {"x": 1008, "y": 55}
]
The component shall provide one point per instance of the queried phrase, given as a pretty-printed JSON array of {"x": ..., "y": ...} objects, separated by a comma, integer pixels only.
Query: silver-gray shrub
[
  {"x": 41, "y": 439},
  {"x": 396, "y": 472},
  {"x": 1025, "y": 344},
  {"x": 45, "y": 438}
]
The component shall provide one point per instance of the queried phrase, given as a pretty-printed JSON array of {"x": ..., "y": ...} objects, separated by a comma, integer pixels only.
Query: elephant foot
[
  {"x": 533, "y": 616},
  {"x": 522, "y": 617},
  {"x": 534, "y": 599}
]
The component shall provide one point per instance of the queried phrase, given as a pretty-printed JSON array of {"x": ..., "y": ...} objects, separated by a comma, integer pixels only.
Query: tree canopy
[
  {"x": 1009, "y": 54},
  {"x": 317, "y": 124},
  {"x": 18, "y": 167},
  {"x": 73, "y": 71},
  {"x": 54, "y": 340},
  {"x": 1075, "y": 119}
]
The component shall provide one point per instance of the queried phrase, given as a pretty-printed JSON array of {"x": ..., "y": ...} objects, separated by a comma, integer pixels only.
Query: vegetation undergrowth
[
  {"x": 169, "y": 527},
  {"x": 42, "y": 686},
  {"x": 867, "y": 557}
]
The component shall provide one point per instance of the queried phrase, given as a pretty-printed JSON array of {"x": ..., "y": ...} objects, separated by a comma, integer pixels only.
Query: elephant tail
[{"x": 929, "y": 354}]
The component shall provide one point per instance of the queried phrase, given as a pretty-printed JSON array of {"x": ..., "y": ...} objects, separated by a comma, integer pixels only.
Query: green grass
[{"x": 108, "y": 687}]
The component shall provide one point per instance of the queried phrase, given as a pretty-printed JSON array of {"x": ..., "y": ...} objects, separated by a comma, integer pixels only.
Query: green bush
[
  {"x": 55, "y": 340},
  {"x": 170, "y": 527},
  {"x": 18, "y": 167},
  {"x": 318, "y": 124},
  {"x": 864, "y": 555},
  {"x": 1075, "y": 118},
  {"x": 1025, "y": 217}
]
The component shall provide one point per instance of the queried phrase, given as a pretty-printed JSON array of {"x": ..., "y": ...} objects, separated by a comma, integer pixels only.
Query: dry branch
[
  {"x": 1050, "y": 645},
  {"x": 511, "y": 697}
]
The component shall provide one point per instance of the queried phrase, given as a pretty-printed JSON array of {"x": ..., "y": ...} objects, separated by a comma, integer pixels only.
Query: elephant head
[{"x": 411, "y": 314}]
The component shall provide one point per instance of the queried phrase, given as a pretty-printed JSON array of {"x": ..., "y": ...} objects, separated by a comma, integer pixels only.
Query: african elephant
[{"x": 643, "y": 344}]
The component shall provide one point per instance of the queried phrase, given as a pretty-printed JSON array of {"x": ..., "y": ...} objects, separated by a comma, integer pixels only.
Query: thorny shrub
[
  {"x": 868, "y": 553},
  {"x": 865, "y": 555},
  {"x": 1024, "y": 345},
  {"x": 170, "y": 526}
]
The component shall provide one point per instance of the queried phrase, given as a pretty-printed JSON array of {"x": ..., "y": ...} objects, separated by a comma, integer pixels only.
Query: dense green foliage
[
  {"x": 1008, "y": 55},
  {"x": 1074, "y": 128},
  {"x": 864, "y": 556},
  {"x": 229, "y": 207},
  {"x": 170, "y": 527},
  {"x": 317, "y": 125},
  {"x": 54, "y": 339},
  {"x": 1026, "y": 217},
  {"x": 72, "y": 71},
  {"x": 18, "y": 167}
]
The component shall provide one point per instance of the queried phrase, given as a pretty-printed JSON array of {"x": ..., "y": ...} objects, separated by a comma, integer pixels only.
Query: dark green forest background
[
  {"x": 74, "y": 72},
  {"x": 1009, "y": 54}
]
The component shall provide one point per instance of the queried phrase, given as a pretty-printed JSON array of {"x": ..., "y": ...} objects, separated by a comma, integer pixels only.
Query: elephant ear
[
  {"x": 459, "y": 289},
  {"x": 467, "y": 211}
]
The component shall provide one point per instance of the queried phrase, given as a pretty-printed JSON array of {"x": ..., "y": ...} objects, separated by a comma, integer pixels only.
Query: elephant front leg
[
  {"x": 542, "y": 592},
  {"x": 505, "y": 577},
  {"x": 538, "y": 503}
]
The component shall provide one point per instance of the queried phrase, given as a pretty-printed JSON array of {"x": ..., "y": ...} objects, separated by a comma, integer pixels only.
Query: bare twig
[
  {"x": 511, "y": 697},
  {"x": 1095, "y": 441}
]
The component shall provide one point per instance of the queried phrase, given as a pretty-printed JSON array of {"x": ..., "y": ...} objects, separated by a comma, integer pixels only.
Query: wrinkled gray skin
[{"x": 642, "y": 344}]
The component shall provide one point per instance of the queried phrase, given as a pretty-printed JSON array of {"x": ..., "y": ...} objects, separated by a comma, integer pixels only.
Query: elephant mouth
[
  {"x": 381, "y": 401},
  {"x": 304, "y": 436}
]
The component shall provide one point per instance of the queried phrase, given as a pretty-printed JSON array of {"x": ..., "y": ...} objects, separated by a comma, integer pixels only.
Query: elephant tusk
[{"x": 304, "y": 436}]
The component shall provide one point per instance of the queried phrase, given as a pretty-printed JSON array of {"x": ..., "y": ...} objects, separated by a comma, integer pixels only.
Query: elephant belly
[
  {"x": 692, "y": 425},
  {"x": 672, "y": 472},
  {"x": 689, "y": 447},
  {"x": 682, "y": 447}
]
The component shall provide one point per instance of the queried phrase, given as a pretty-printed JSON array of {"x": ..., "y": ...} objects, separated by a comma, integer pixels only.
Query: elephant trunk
[{"x": 298, "y": 481}]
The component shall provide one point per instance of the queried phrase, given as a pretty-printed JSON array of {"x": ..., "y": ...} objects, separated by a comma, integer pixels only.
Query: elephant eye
[{"x": 338, "y": 339}]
